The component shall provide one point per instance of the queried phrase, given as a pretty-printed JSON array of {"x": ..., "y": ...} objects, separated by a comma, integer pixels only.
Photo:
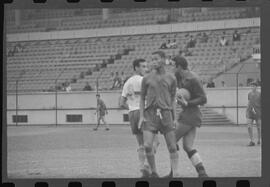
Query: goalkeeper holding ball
[{"x": 189, "y": 96}]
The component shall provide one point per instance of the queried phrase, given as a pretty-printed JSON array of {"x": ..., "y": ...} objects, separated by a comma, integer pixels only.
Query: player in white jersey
[{"x": 130, "y": 99}]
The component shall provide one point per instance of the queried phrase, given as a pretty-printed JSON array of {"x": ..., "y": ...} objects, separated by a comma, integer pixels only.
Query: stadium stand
[
  {"x": 51, "y": 20},
  {"x": 38, "y": 64}
]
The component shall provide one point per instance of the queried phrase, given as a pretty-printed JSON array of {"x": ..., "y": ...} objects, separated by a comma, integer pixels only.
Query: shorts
[
  {"x": 154, "y": 123},
  {"x": 251, "y": 115},
  {"x": 191, "y": 116},
  {"x": 134, "y": 118}
]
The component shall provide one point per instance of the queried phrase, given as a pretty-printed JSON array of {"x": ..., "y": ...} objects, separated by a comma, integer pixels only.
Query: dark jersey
[
  {"x": 191, "y": 114},
  {"x": 254, "y": 105},
  {"x": 159, "y": 90},
  {"x": 101, "y": 107}
]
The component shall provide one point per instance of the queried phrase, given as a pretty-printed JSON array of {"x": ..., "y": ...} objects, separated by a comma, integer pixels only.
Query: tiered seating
[
  {"x": 42, "y": 62},
  {"x": 47, "y": 20},
  {"x": 207, "y": 59}
]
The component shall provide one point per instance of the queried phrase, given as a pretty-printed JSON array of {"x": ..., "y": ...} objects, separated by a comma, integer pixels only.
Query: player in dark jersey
[
  {"x": 253, "y": 113},
  {"x": 101, "y": 111},
  {"x": 190, "y": 117},
  {"x": 157, "y": 111}
]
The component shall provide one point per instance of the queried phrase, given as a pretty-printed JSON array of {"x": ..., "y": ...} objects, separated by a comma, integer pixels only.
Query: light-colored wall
[
  {"x": 135, "y": 30},
  {"x": 85, "y": 103}
]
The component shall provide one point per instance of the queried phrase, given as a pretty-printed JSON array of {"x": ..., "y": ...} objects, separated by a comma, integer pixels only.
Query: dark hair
[
  {"x": 181, "y": 61},
  {"x": 137, "y": 62},
  {"x": 98, "y": 95},
  {"x": 160, "y": 53}
]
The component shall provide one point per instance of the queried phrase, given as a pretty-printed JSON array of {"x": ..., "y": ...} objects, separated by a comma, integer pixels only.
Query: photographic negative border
[{"x": 263, "y": 181}]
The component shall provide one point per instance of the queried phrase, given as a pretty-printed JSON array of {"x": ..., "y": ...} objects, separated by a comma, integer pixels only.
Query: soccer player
[
  {"x": 190, "y": 117},
  {"x": 253, "y": 113},
  {"x": 130, "y": 100},
  {"x": 157, "y": 111},
  {"x": 101, "y": 111}
]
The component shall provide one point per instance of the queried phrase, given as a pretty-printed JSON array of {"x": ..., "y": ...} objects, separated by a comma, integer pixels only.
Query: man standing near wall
[
  {"x": 253, "y": 113},
  {"x": 101, "y": 111}
]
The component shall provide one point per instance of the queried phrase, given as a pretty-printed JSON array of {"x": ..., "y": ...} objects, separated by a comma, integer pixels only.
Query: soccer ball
[{"x": 182, "y": 93}]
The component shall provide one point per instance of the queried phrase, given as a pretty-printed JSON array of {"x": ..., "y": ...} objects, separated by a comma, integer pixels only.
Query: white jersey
[{"x": 132, "y": 91}]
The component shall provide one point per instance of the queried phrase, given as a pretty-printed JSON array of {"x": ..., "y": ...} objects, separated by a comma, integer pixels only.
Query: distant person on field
[
  {"x": 253, "y": 113},
  {"x": 101, "y": 112}
]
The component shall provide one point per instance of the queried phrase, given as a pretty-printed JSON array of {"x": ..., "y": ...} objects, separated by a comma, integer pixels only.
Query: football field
[{"x": 80, "y": 152}]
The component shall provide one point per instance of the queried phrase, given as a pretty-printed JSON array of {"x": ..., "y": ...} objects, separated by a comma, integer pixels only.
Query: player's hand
[
  {"x": 181, "y": 101},
  {"x": 141, "y": 121}
]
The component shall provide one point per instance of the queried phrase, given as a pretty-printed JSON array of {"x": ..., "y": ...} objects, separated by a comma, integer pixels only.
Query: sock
[
  {"x": 196, "y": 161},
  {"x": 151, "y": 160},
  {"x": 174, "y": 164},
  {"x": 141, "y": 156}
]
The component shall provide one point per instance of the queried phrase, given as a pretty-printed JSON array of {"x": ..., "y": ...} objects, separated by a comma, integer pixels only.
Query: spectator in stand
[
  {"x": 223, "y": 41},
  {"x": 210, "y": 84},
  {"x": 163, "y": 46},
  {"x": 89, "y": 71},
  {"x": 223, "y": 84},
  {"x": 236, "y": 36},
  {"x": 174, "y": 44},
  {"x": 87, "y": 87},
  {"x": 204, "y": 38},
  {"x": 116, "y": 81},
  {"x": 168, "y": 45},
  {"x": 68, "y": 88},
  {"x": 192, "y": 42},
  {"x": 123, "y": 79}
]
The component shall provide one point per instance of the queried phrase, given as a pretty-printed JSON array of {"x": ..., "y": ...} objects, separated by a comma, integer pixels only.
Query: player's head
[
  {"x": 158, "y": 59},
  {"x": 98, "y": 96},
  {"x": 253, "y": 86},
  {"x": 140, "y": 66},
  {"x": 180, "y": 63}
]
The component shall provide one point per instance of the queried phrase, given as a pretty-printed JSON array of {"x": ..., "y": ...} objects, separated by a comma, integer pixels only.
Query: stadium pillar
[
  {"x": 237, "y": 90},
  {"x": 17, "y": 102},
  {"x": 56, "y": 112},
  {"x": 237, "y": 102}
]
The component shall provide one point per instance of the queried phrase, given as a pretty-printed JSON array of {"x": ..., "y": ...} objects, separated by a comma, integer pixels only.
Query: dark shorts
[
  {"x": 191, "y": 116},
  {"x": 251, "y": 115},
  {"x": 154, "y": 123},
  {"x": 134, "y": 117},
  {"x": 102, "y": 113}
]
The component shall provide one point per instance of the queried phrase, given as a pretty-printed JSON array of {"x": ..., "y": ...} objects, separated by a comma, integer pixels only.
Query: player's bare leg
[
  {"x": 188, "y": 142},
  {"x": 180, "y": 131},
  {"x": 174, "y": 158},
  {"x": 142, "y": 157},
  {"x": 250, "y": 132},
  {"x": 98, "y": 123},
  {"x": 105, "y": 123},
  {"x": 258, "y": 123},
  {"x": 148, "y": 138},
  {"x": 155, "y": 143}
]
